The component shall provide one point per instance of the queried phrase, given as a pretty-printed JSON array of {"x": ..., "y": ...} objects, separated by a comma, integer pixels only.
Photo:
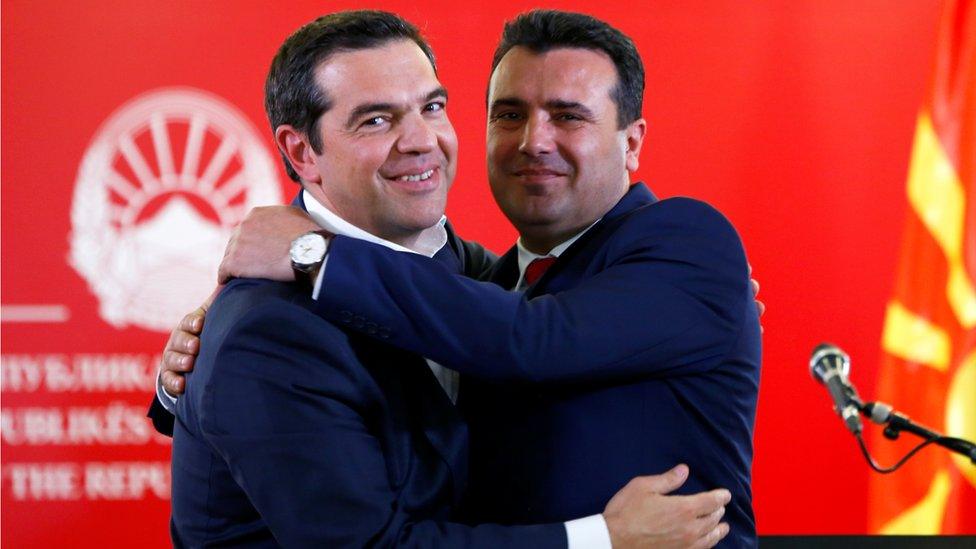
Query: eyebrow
[
  {"x": 367, "y": 108},
  {"x": 439, "y": 92},
  {"x": 554, "y": 104},
  {"x": 570, "y": 105},
  {"x": 507, "y": 102}
]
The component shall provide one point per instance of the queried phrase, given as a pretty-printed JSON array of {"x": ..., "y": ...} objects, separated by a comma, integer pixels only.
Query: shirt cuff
[
  {"x": 318, "y": 279},
  {"x": 167, "y": 400},
  {"x": 589, "y": 532}
]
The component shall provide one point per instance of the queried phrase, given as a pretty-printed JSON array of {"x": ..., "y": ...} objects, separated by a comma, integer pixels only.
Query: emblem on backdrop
[{"x": 159, "y": 190}]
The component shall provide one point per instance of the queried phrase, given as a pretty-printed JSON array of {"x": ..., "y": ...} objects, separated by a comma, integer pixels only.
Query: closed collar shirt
[{"x": 525, "y": 256}]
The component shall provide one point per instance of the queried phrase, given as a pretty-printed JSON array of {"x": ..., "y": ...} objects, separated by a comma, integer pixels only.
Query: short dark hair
[
  {"x": 291, "y": 95},
  {"x": 544, "y": 30}
]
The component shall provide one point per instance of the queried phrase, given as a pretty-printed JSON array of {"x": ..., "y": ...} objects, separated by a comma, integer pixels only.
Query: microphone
[{"x": 829, "y": 365}]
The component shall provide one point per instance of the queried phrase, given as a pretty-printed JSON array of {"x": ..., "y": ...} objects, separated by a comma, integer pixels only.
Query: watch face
[{"x": 308, "y": 249}]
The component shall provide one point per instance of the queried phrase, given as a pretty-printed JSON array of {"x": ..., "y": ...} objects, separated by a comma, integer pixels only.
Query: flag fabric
[{"x": 929, "y": 338}]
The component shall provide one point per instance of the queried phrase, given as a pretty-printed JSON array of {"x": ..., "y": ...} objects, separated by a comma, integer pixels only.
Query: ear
[
  {"x": 634, "y": 133},
  {"x": 294, "y": 145}
]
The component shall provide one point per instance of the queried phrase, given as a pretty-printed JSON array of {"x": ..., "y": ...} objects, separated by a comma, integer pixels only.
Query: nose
[
  {"x": 417, "y": 136},
  {"x": 536, "y": 137}
]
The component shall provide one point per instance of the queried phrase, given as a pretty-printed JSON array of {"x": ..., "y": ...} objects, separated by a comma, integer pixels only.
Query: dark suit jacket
[
  {"x": 638, "y": 349},
  {"x": 296, "y": 433},
  {"x": 475, "y": 262}
]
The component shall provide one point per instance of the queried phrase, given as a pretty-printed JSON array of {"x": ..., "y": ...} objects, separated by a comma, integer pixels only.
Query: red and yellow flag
[{"x": 929, "y": 338}]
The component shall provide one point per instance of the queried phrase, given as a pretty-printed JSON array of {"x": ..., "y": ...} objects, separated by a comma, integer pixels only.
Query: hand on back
[{"x": 642, "y": 514}]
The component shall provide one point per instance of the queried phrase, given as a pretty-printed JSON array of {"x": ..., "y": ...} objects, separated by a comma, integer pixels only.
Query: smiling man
[
  {"x": 386, "y": 183},
  {"x": 558, "y": 158},
  {"x": 297, "y": 431},
  {"x": 633, "y": 343}
]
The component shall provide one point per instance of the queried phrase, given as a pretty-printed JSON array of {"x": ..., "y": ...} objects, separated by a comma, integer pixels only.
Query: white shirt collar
[
  {"x": 525, "y": 256},
  {"x": 430, "y": 242}
]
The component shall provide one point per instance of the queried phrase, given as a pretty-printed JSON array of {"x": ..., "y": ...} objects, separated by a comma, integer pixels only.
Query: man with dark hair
[
  {"x": 541, "y": 31},
  {"x": 297, "y": 431},
  {"x": 290, "y": 94},
  {"x": 639, "y": 346}
]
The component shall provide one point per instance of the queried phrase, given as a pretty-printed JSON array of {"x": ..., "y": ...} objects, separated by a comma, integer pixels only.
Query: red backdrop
[{"x": 795, "y": 119}]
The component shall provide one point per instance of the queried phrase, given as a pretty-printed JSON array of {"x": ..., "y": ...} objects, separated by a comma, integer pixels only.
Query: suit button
[
  {"x": 384, "y": 332},
  {"x": 371, "y": 328},
  {"x": 345, "y": 317},
  {"x": 359, "y": 321}
]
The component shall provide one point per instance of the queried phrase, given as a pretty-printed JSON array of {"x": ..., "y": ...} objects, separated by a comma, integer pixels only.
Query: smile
[
  {"x": 538, "y": 173},
  {"x": 419, "y": 177},
  {"x": 417, "y": 183}
]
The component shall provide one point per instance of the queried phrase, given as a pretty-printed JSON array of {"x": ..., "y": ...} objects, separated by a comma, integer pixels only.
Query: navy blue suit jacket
[
  {"x": 475, "y": 262},
  {"x": 296, "y": 433},
  {"x": 638, "y": 349}
]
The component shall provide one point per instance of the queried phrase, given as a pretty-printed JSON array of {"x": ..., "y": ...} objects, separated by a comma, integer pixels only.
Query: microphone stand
[
  {"x": 895, "y": 423},
  {"x": 830, "y": 365}
]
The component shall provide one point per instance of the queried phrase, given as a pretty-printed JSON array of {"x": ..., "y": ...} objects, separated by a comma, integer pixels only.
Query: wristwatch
[{"x": 308, "y": 251}]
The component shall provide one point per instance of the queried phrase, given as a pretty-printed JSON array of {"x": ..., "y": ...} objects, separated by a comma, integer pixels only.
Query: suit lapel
[
  {"x": 444, "y": 428},
  {"x": 299, "y": 201},
  {"x": 635, "y": 198},
  {"x": 505, "y": 271}
]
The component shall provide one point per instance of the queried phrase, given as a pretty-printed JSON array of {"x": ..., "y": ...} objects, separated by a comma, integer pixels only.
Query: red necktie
[{"x": 536, "y": 269}]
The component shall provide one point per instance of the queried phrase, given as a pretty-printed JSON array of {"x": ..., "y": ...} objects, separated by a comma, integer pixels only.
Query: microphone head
[{"x": 827, "y": 358}]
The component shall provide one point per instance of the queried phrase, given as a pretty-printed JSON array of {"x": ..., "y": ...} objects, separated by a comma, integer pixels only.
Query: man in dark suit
[
  {"x": 640, "y": 347},
  {"x": 296, "y": 431}
]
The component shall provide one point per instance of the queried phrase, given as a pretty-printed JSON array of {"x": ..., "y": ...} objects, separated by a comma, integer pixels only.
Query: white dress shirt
[{"x": 586, "y": 533}]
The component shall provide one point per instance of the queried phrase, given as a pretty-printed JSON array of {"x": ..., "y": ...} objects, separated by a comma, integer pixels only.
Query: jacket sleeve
[
  {"x": 161, "y": 418},
  {"x": 670, "y": 299},
  {"x": 285, "y": 410}
]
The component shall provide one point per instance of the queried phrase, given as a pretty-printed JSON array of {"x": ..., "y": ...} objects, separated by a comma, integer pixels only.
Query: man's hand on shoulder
[
  {"x": 641, "y": 514},
  {"x": 259, "y": 246}
]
